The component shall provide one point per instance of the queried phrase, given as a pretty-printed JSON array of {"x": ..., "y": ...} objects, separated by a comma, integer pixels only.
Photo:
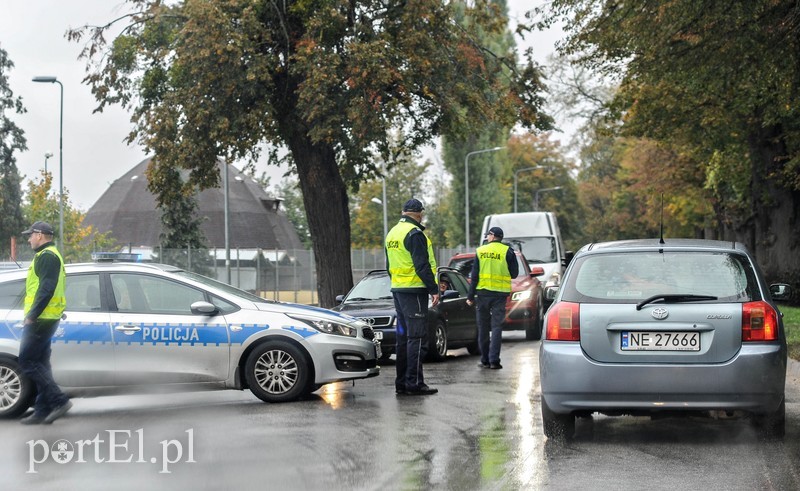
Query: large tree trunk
[
  {"x": 325, "y": 201},
  {"x": 772, "y": 232}
]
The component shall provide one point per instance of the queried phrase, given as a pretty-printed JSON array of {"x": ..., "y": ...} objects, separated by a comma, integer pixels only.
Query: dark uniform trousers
[
  {"x": 412, "y": 339},
  {"x": 34, "y": 361}
]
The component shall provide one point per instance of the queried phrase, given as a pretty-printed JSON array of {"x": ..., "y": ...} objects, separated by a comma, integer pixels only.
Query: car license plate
[
  {"x": 378, "y": 335},
  {"x": 660, "y": 341}
]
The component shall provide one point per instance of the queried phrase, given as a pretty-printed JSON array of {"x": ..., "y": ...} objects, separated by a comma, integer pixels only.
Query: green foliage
[
  {"x": 404, "y": 180},
  {"x": 12, "y": 140},
  {"x": 708, "y": 100},
  {"x": 791, "y": 323},
  {"x": 539, "y": 163},
  {"x": 42, "y": 204}
]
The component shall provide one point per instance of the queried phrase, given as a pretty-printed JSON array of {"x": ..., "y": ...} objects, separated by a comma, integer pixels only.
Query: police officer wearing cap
[
  {"x": 45, "y": 302},
  {"x": 494, "y": 266},
  {"x": 412, "y": 268}
]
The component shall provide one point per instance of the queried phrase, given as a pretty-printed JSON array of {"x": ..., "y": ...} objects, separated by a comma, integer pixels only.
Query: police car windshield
[{"x": 205, "y": 280}]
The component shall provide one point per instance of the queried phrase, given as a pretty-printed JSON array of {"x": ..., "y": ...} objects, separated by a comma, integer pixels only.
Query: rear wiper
[{"x": 674, "y": 298}]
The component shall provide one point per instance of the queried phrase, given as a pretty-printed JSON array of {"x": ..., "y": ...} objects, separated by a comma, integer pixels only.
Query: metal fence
[{"x": 286, "y": 275}]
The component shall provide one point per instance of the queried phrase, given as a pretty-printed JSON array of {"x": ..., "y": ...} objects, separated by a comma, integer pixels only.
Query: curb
[{"x": 793, "y": 369}]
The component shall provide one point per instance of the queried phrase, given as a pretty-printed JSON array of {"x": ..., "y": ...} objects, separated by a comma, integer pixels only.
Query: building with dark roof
[{"x": 128, "y": 210}]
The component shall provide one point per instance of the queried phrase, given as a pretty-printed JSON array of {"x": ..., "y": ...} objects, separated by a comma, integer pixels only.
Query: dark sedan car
[{"x": 451, "y": 324}]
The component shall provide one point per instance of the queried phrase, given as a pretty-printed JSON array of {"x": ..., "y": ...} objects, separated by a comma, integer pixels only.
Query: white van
[{"x": 536, "y": 233}]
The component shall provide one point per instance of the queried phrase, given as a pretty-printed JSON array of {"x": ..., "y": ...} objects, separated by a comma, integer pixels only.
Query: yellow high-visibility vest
[
  {"x": 401, "y": 265},
  {"x": 493, "y": 274},
  {"x": 58, "y": 303}
]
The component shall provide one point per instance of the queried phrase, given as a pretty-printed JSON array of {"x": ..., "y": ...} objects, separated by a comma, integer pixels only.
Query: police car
[{"x": 130, "y": 326}]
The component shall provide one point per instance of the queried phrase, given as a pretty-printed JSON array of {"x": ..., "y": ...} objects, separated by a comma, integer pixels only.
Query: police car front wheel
[
  {"x": 277, "y": 371},
  {"x": 16, "y": 391}
]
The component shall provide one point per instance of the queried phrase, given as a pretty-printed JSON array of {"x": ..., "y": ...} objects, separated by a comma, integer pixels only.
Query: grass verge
[{"x": 791, "y": 323}]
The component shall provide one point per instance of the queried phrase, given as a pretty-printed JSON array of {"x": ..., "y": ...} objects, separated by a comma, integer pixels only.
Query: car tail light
[
  {"x": 563, "y": 322},
  {"x": 759, "y": 322}
]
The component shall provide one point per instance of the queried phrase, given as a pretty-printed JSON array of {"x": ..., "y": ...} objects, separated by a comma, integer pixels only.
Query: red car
[{"x": 525, "y": 305}]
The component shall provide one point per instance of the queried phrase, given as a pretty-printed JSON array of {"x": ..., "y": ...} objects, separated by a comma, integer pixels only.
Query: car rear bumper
[{"x": 753, "y": 380}]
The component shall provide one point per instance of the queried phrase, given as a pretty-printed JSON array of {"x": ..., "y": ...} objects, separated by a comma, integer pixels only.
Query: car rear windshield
[{"x": 634, "y": 276}]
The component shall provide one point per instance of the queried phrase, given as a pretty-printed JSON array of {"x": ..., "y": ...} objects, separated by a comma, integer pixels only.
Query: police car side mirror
[{"x": 204, "y": 308}]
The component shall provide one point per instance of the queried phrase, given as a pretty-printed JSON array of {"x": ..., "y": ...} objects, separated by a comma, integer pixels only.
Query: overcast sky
[{"x": 94, "y": 154}]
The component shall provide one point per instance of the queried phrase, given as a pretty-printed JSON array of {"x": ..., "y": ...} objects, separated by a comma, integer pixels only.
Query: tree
[
  {"x": 78, "y": 241},
  {"x": 404, "y": 180},
  {"x": 486, "y": 170},
  {"x": 12, "y": 140},
  {"x": 716, "y": 85},
  {"x": 539, "y": 163},
  {"x": 328, "y": 79}
]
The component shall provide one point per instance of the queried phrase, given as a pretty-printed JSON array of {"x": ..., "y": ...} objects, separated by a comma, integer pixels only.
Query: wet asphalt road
[{"x": 482, "y": 431}]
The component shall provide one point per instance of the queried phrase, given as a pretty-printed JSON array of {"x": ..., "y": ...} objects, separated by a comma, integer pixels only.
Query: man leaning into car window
[
  {"x": 494, "y": 266},
  {"x": 45, "y": 302},
  {"x": 412, "y": 268}
]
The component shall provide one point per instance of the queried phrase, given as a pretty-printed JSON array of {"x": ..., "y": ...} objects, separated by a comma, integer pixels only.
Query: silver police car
[
  {"x": 130, "y": 326},
  {"x": 674, "y": 326}
]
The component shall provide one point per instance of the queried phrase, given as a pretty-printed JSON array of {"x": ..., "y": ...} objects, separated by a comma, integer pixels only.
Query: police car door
[
  {"x": 157, "y": 337},
  {"x": 82, "y": 348}
]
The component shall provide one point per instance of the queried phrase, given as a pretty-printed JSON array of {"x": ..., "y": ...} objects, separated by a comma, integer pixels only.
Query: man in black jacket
[
  {"x": 44, "y": 304},
  {"x": 412, "y": 268},
  {"x": 494, "y": 266}
]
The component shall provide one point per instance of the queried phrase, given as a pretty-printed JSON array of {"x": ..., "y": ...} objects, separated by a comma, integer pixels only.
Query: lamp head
[{"x": 45, "y": 79}]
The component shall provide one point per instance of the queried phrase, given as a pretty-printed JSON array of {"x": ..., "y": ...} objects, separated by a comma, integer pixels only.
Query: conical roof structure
[{"x": 128, "y": 210}]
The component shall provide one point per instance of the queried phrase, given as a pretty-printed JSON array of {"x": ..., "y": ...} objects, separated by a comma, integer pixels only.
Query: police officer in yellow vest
[
  {"x": 495, "y": 264},
  {"x": 44, "y": 304},
  {"x": 412, "y": 268}
]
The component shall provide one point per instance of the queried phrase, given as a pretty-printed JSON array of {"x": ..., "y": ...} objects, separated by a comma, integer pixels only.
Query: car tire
[
  {"x": 772, "y": 425},
  {"x": 534, "y": 330},
  {"x": 558, "y": 427},
  {"x": 278, "y": 371},
  {"x": 16, "y": 390},
  {"x": 437, "y": 342}
]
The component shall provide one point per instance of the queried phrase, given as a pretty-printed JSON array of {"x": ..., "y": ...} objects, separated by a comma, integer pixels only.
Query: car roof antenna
[{"x": 661, "y": 238}]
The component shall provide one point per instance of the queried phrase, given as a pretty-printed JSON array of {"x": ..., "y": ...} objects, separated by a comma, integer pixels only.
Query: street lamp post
[
  {"x": 515, "y": 181},
  {"x": 383, "y": 203},
  {"x": 536, "y": 196},
  {"x": 46, "y": 156},
  {"x": 54, "y": 80},
  {"x": 466, "y": 189}
]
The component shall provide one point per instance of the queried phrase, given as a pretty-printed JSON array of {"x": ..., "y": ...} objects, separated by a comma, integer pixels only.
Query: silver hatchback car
[
  {"x": 130, "y": 327},
  {"x": 646, "y": 326}
]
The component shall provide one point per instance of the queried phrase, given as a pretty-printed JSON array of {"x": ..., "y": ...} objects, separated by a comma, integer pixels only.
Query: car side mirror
[
  {"x": 204, "y": 308},
  {"x": 448, "y": 294},
  {"x": 339, "y": 299},
  {"x": 568, "y": 255},
  {"x": 780, "y": 291},
  {"x": 537, "y": 271},
  {"x": 550, "y": 293}
]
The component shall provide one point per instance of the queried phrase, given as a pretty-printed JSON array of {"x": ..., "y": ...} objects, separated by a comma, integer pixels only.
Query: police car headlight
[
  {"x": 519, "y": 296},
  {"x": 327, "y": 326}
]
